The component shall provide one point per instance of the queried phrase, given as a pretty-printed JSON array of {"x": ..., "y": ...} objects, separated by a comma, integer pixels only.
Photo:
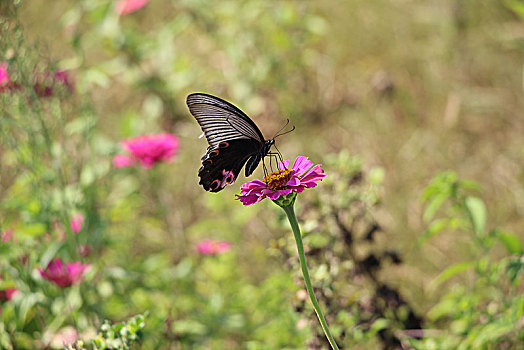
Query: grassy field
[{"x": 414, "y": 108}]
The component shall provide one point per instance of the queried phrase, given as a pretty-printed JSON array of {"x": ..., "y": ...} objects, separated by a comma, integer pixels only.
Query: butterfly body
[{"x": 234, "y": 140}]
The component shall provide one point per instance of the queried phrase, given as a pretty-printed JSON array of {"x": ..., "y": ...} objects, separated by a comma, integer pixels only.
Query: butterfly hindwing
[{"x": 221, "y": 165}]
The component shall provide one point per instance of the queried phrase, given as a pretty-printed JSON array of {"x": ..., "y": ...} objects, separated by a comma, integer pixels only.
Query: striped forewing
[{"x": 220, "y": 120}]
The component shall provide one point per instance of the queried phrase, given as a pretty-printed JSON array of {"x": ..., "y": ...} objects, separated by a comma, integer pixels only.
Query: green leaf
[
  {"x": 434, "y": 228},
  {"x": 450, "y": 272},
  {"x": 515, "y": 268},
  {"x": 34, "y": 229},
  {"x": 80, "y": 125},
  {"x": 379, "y": 325},
  {"x": 434, "y": 204},
  {"x": 516, "y": 6},
  {"x": 444, "y": 308},
  {"x": 510, "y": 241},
  {"x": 189, "y": 327},
  {"x": 376, "y": 176},
  {"x": 477, "y": 213},
  {"x": 50, "y": 253}
]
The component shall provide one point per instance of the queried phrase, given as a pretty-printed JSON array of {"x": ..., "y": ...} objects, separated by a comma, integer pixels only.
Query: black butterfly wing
[
  {"x": 221, "y": 121},
  {"x": 222, "y": 164}
]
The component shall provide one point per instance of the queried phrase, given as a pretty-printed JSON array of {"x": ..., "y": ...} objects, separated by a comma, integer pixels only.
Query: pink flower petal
[
  {"x": 212, "y": 247},
  {"x": 314, "y": 170},
  {"x": 249, "y": 200},
  {"x": 283, "y": 165},
  {"x": 10, "y": 293},
  {"x": 7, "y": 235},
  {"x": 283, "y": 192},
  {"x": 122, "y": 161},
  {"x": 125, "y": 7},
  {"x": 4, "y": 76},
  {"x": 302, "y": 164},
  {"x": 76, "y": 270},
  {"x": 293, "y": 182},
  {"x": 76, "y": 222}
]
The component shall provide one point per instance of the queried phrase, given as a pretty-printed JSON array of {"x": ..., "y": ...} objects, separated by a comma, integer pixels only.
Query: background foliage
[{"x": 389, "y": 96}]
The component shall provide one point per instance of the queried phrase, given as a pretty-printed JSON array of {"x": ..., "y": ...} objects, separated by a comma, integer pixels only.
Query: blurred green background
[{"x": 386, "y": 94}]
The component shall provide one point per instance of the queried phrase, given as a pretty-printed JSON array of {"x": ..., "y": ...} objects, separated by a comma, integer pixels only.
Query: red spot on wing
[{"x": 215, "y": 184}]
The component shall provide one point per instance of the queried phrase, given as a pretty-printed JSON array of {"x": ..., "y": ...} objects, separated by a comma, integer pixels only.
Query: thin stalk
[{"x": 290, "y": 212}]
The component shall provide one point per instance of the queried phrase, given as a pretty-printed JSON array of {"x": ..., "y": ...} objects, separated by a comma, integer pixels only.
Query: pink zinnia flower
[
  {"x": 77, "y": 220},
  {"x": 212, "y": 247},
  {"x": 302, "y": 175},
  {"x": 125, "y": 7},
  {"x": 7, "y": 235},
  {"x": 149, "y": 150},
  {"x": 64, "y": 274}
]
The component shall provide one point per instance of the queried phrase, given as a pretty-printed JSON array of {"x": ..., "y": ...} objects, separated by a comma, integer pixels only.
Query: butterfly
[{"x": 234, "y": 140}]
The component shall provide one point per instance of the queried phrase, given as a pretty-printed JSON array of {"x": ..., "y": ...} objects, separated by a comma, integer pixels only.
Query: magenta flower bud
[
  {"x": 77, "y": 220},
  {"x": 4, "y": 77},
  {"x": 212, "y": 247}
]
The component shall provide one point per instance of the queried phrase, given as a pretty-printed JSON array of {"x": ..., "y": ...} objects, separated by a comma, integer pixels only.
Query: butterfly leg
[
  {"x": 273, "y": 158},
  {"x": 278, "y": 153},
  {"x": 264, "y": 166},
  {"x": 278, "y": 158}
]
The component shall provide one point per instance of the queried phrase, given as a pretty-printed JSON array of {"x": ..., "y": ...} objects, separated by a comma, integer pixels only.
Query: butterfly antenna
[
  {"x": 282, "y": 128},
  {"x": 287, "y": 132}
]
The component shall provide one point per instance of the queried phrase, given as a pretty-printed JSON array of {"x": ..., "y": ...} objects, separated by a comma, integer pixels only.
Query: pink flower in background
[
  {"x": 4, "y": 77},
  {"x": 64, "y": 274},
  {"x": 61, "y": 339},
  {"x": 212, "y": 247},
  {"x": 125, "y": 7},
  {"x": 7, "y": 235},
  {"x": 7, "y": 294},
  {"x": 123, "y": 161},
  {"x": 282, "y": 182},
  {"x": 77, "y": 220},
  {"x": 63, "y": 77},
  {"x": 148, "y": 150},
  {"x": 45, "y": 83},
  {"x": 85, "y": 249}
]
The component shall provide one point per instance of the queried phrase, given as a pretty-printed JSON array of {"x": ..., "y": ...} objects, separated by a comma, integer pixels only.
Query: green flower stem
[{"x": 290, "y": 212}]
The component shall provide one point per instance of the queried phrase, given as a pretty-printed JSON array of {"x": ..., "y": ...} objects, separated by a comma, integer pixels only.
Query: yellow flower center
[{"x": 277, "y": 179}]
